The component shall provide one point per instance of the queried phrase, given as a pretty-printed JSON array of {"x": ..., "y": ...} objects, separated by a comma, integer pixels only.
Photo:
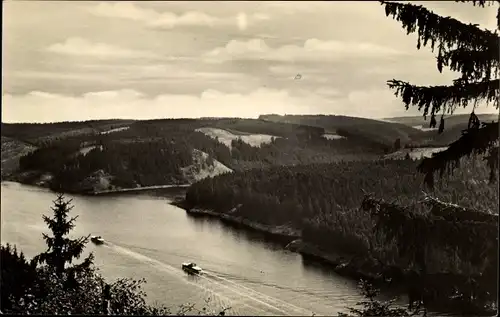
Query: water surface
[{"x": 149, "y": 238}]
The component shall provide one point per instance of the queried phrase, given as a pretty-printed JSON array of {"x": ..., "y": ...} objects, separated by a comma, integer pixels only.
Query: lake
[{"x": 149, "y": 238}]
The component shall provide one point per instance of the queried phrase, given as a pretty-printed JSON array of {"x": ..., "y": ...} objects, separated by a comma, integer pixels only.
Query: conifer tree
[
  {"x": 61, "y": 249},
  {"x": 465, "y": 48}
]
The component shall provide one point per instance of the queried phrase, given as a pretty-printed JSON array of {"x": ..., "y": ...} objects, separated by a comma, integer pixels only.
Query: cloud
[
  {"x": 312, "y": 50},
  {"x": 193, "y": 18},
  {"x": 328, "y": 91},
  {"x": 169, "y": 20},
  {"x": 76, "y": 46},
  {"x": 46, "y": 107},
  {"x": 125, "y": 10},
  {"x": 131, "y": 72},
  {"x": 40, "y": 106},
  {"x": 150, "y": 78},
  {"x": 242, "y": 21},
  {"x": 292, "y": 7}
]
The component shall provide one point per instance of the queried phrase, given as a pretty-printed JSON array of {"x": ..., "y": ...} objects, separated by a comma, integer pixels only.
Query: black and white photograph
[{"x": 250, "y": 158}]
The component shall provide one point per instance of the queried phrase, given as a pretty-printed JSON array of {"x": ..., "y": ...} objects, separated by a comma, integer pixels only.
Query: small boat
[
  {"x": 97, "y": 240},
  {"x": 191, "y": 268}
]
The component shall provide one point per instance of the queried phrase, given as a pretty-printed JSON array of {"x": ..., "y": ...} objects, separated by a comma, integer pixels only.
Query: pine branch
[
  {"x": 448, "y": 32},
  {"x": 454, "y": 212},
  {"x": 472, "y": 141},
  {"x": 473, "y": 64},
  {"x": 482, "y": 4},
  {"x": 436, "y": 97}
]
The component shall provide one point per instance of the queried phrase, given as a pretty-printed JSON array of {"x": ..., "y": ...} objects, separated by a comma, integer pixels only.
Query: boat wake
[
  {"x": 277, "y": 303},
  {"x": 222, "y": 291}
]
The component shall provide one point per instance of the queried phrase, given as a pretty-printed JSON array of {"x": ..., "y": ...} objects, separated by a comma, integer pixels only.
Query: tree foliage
[
  {"x": 17, "y": 276},
  {"x": 62, "y": 250},
  {"x": 371, "y": 306},
  {"x": 465, "y": 48},
  {"x": 466, "y": 233}
]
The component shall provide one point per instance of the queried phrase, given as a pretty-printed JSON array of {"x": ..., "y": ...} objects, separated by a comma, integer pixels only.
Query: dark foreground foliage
[{"x": 371, "y": 306}]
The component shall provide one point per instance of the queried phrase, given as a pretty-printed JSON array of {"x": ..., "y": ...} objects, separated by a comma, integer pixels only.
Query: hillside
[
  {"x": 451, "y": 121},
  {"x": 12, "y": 151},
  {"x": 454, "y": 125},
  {"x": 305, "y": 192},
  {"x": 319, "y": 206},
  {"x": 44, "y": 133},
  {"x": 368, "y": 130},
  {"x": 105, "y": 154},
  {"x": 102, "y": 155}
]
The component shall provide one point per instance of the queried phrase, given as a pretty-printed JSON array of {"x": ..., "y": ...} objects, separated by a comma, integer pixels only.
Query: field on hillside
[
  {"x": 124, "y": 153},
  {"x": 414, "y": 153},
  {"x": 451, "y": 121},
  {"x": 374, "y": 131},
  {"x": 454, "y": 125},
  {"x": 12, "y": 151},
  {"x": 226, "y": 137},
  {"x": 44, "y": 133}
]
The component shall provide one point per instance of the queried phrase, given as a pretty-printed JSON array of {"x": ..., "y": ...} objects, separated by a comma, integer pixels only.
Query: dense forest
[
  {"x": 154, "y": 152},
  {"x": 43, "y": 133},
  {"x": 323, "y": 201},
  {"x": 377, "y": 132}
]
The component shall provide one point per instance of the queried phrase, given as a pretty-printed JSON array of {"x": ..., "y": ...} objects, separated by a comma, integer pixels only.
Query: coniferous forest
[{"x": 348, "y": 191}]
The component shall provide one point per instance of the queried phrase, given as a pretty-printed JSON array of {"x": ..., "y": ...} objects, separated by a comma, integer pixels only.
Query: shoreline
[
  {"x": 292, "y": 239},
  {"x": 95, "y": 193},
  {"x": 352, "y": 266},
  {"x": 348, "y": 265},
  {"x": 282, "y": 232}
]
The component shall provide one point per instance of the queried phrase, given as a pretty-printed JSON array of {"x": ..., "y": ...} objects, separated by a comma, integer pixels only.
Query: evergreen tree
[
  {"x": 397, "y": 144},
  {"x": 465, "y": 48},
  {"x": 17, "y": 276},
  {"x": 61, "y": 249}
]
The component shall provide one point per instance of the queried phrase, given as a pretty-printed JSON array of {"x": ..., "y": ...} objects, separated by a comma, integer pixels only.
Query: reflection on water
[{"x": 148, "y": 238}]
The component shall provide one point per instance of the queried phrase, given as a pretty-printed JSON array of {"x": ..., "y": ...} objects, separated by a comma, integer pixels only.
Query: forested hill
[
  {"x": 105, "y": 154},
  {"x": 325, "y": 204},
  {"x": 454, "y": 125},
  {"x": 374, "y": 131}
]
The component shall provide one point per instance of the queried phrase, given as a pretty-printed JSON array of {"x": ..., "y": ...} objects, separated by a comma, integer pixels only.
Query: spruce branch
[
  {"x": 447, "y": 32},
  {"x": 482, "y": 4},
  {"x": 434, "y": 98},
  {"x": 473, "y": 64},
  {"x": 473, "y": 141}
]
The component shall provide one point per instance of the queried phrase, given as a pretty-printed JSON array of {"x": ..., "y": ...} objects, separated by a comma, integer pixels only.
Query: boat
[
  {"x": 191, "y": 268},
  {"x": 97, "y": 240}
]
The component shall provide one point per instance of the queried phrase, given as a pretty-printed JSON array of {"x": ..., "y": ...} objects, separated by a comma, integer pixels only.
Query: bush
[
  {"x": 371, "y": 307},
  {"x": 51, "y": 295},
  {"x": 17, "y": 276}
]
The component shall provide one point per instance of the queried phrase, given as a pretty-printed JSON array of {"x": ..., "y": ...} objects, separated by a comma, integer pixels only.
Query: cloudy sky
[{"x": 76, "y": 60}]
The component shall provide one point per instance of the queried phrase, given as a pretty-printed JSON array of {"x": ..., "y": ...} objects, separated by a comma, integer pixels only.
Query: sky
[{"x": 77, "y": 60}]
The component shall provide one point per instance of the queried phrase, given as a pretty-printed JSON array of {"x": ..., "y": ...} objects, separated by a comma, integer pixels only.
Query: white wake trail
[
  {"x": 247, "y": 295},
  {"x": 262, "y": 295},
  {"x": 171, "y": 269}
]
